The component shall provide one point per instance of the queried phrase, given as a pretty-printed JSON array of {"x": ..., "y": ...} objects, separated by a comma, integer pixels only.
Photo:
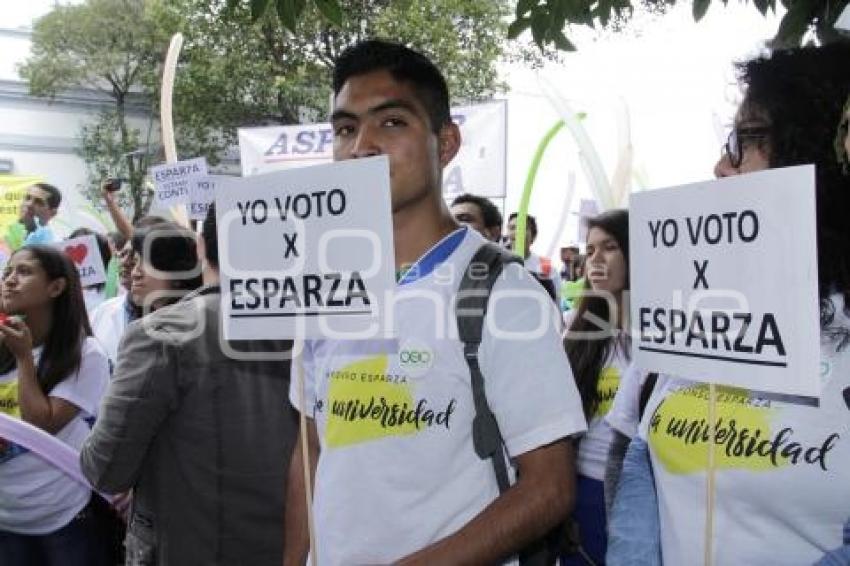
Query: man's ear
[
  {"x": 449, "y": 140},
  {"x": 56, "y": 287}
]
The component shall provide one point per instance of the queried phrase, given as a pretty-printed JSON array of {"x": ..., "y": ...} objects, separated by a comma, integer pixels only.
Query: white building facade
[{"x": 39, "y": 136}]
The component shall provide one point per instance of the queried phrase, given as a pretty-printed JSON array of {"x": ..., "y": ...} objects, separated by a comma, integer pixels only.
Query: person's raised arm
[{"x": 122, "y": 223}]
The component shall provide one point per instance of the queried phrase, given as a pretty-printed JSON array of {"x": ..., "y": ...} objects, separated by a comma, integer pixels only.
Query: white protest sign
[
  {"x": 201, "y": 195},
  {"x": 479, "y": 167},
  {"x": 587, "y": 208},
  {"x": 306, "y": 253},
  {"x": 276, "y": 148},
  {"x": 843, "y": 22},
  {"x": 85, "y": 254},
  {"x": 724, "y": 284},
  {"x": 174, "y": 181}
]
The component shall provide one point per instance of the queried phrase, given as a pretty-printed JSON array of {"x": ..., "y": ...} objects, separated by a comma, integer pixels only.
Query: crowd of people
[{"x": 523, "y": 434}]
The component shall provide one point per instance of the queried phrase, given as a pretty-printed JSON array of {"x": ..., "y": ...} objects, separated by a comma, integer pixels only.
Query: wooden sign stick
[
  {"x": 710, "y": 475},
  {"x": 305, "y": 450}
]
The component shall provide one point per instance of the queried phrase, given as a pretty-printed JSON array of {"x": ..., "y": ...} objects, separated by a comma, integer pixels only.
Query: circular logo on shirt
[{"x": 415, "y": 357}]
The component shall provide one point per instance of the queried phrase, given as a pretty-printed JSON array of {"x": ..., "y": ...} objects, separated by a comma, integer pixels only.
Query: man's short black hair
[
  {"x": 54, "y": 196},
  {"x": 530, "y": 223},
  {"x": 489, "y": 211},
  {"x": 405, "y": 65},
  {"x": 208, "y": 233},
  {"x": 148, "y": 221},
  {"x": 169, "y": 247}
]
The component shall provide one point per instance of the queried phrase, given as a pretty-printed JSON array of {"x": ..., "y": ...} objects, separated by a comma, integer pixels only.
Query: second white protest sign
[
  {"x": 307, "y": 252},
  {"x": 724, "y": 281},
  {"x": 201, "y": 195},
  {"x": 85, "y": 254},
  {"x": 175, "y": 181}
]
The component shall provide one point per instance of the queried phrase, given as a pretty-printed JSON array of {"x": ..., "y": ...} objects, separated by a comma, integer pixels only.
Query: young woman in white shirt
[
  {"x": 598, "y": 348},
  {"x": 52, "y": 375}
]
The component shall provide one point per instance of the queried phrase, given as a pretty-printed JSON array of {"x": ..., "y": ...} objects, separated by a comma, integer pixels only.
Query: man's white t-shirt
[
  {"x": 108, "y": 323},
  {"x": 397, "y": 469},
  {"x": 35, "y": 497},
  {"x": 595, "y": 444},
  {"x": 93, "y": 297},
  {"x": 782, "y": 492},
  {"x": 544, "y": 269}
]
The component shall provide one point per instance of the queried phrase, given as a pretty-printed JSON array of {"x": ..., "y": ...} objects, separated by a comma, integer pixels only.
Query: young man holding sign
[{"x": 397, "y": 478}]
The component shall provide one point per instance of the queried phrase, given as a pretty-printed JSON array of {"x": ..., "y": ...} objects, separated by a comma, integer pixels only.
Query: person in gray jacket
[{"x": 201, "y": 430}]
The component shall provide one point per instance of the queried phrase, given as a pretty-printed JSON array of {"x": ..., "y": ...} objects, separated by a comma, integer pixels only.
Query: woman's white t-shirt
[
  {"x": 35, "y": 497},
  {"x": 625, "y": 410},
  {"x": 782, "y": 492},
  {"x": 595, "y": 444}
]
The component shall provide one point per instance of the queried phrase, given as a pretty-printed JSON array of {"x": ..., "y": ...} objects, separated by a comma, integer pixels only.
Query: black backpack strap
[
  {"x": 470, "y": 309},
  {"x": 646, "y": 393}
]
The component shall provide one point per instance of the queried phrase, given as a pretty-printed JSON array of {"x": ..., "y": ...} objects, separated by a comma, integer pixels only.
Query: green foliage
[
  {"x": 289, "y": 11},
  {"x": 110, "y": 46},
  {"x": 700, "y": 7},
  {"x": 242, "y": 65},
  {"x": 549, "y": 18},
  {"x": 105, "y": 155},
  {"x": 245, "y": 63}
]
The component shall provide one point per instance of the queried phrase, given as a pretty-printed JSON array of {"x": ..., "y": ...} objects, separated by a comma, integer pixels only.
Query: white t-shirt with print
[
  {"x": 782, "y": 492},
  {"x": 595, "y": 444},
  {"x": 108, "y": 323},
  {"x": 397, "y": 469},
  {"x": 35, "y": 497}
]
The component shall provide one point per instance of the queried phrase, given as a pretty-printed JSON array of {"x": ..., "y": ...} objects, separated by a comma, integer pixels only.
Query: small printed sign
[
  {"x": 175, "y": 182},
  {"x": 202, "y": 195},
  {"x": 85, "y": 254}
]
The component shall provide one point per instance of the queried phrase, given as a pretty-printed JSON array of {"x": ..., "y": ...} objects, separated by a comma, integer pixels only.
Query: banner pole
[
  {"x": 169, "y": 72},
  {"x": 710, "y": 475},
  {"x": 305, "y": 450}
]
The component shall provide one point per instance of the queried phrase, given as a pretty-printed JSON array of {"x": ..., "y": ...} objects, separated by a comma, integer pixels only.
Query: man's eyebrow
[
  {"x": 392, "y": 104},
  {"x": 342, "y": 115}
]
